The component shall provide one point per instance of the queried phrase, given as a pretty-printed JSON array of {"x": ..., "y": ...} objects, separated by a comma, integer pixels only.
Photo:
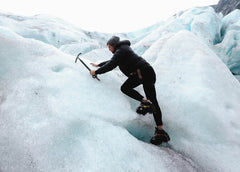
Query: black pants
[{"x": 148, "y": 80}]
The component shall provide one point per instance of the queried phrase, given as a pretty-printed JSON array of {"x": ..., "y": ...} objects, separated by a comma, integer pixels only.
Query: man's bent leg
[{"x": 127, "y": 88}]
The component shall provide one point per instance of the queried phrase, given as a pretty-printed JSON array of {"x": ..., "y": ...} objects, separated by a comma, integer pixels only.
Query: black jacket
[{"x": 125, "y": 58}]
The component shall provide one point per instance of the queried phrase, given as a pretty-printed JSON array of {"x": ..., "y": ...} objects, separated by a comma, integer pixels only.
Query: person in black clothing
[{"x": 138, "y": 71}]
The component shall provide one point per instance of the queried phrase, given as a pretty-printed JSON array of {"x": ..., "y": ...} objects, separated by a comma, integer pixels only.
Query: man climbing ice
[{"x": 138, "y": 71}]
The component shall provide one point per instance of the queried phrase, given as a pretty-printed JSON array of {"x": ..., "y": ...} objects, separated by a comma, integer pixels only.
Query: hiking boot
[
  {"x": 159, "y": 137},
  {"x": 146, "y": 106}
]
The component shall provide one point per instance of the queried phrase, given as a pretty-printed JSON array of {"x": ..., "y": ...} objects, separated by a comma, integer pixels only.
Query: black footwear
[
  {"x": 160, "y": 136},
  {"x": 145, "y": 107}
]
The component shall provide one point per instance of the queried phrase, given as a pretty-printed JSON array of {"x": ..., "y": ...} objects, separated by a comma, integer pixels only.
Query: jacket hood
[{"x": 124, "y": 42}]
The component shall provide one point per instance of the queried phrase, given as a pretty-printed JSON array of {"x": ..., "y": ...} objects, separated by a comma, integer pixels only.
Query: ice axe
[{"x": 77, "y": 58}]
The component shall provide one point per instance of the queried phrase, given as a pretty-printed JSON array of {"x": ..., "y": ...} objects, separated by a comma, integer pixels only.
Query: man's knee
[{"x": 124, "y": 89}]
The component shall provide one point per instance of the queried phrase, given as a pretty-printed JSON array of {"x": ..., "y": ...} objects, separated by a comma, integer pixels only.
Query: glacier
[{"x": 55, "y": 117}]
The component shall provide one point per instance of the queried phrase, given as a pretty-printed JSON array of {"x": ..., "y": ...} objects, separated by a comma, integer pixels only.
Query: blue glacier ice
[{"x": 55, "y": 117}]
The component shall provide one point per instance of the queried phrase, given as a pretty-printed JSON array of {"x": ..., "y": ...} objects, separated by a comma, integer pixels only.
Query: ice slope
[
  {"x": 201, "y": 105},
  {"x": 55, "y": 117}
]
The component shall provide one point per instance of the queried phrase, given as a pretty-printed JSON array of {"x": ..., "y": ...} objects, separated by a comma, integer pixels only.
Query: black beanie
[{"x": 113, "y": 41}]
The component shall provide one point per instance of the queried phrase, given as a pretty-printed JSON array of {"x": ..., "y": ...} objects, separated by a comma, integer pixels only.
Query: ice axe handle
[{"x": 94, "y": 76}]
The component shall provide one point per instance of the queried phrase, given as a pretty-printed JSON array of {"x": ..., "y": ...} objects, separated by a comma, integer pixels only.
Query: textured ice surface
[{"x": 55, "y": 117}]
